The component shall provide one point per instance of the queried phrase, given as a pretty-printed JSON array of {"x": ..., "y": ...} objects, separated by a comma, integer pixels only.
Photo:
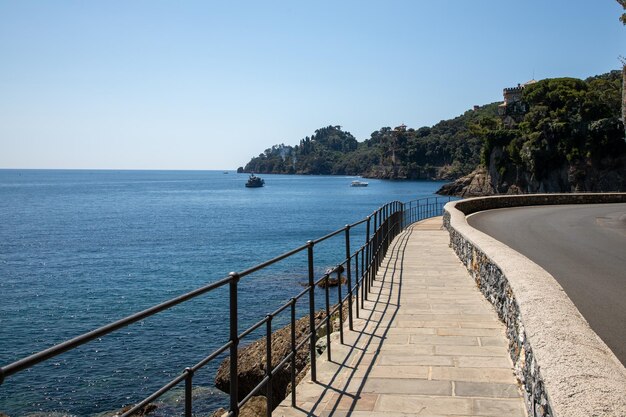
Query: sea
[{"x": 80, "y": 249}]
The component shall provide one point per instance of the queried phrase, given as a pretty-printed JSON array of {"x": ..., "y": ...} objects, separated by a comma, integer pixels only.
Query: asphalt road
[{"x": 583, "y": 247}]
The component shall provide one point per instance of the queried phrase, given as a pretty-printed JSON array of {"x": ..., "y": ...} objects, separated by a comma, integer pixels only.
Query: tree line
[
  {"x": 567, "y": 121},
  {"x": 445, "y": 150}
]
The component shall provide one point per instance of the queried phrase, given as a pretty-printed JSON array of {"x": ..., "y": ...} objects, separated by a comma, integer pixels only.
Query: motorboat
[
  {"x": 357, "y": 183},
  {"x": 255, "y": 182}
]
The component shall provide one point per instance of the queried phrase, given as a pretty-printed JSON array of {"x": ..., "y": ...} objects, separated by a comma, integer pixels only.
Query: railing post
[
  {"x": 268, "y": 365},
  {"x": 340, "y": 296},
  {"x": 234, "y": 338},
  {"x": 400, "y": 220},
  {"x": 312, "y": 339},
  {"x": 363, "y": 277},
  {"x": 328, "y": 322},
  {"x": 381, "y": 242},
  {"x": 400, "y": 217},
  {"x": 384, "y": 222},
  {"x": 390, "y": 217},
  {"x": 419, "y": 211},
  {"x": 188, "y": 392},
  {"x": 392, "y": 222},
  {"x": 349, "y": 276},
  {"x": 293, "y": 352},
  {"x": 376, "y": 241},
  {"x": 387, "y": 227},
  {"x": 366, "y": 268},
  {"x": 356, "y": 276}
]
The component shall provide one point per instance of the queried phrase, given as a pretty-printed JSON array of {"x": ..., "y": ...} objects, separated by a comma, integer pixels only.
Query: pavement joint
[{"x": 426, "y": 344}]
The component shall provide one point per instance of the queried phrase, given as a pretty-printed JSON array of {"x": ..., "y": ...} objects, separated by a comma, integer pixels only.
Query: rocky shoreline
[
  {"x": 476, "y": 184},
  {"x": 508, "y": 180},
  {"x": 252, "y": 361}
]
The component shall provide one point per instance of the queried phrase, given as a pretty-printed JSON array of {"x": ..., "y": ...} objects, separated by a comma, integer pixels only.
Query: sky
[{"x": 209, "y": 84}]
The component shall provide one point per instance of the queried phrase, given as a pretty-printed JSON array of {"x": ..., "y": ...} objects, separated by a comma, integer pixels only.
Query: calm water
[{"x": 79, "y": 249}]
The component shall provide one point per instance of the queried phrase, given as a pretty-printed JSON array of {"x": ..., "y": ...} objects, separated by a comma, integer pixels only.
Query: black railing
[{"x": 360, "y": 268}]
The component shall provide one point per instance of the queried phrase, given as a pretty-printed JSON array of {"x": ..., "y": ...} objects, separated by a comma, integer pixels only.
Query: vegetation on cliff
[
  {"x": 448, "y": 149},
  {"x": 569, "y": 138}
]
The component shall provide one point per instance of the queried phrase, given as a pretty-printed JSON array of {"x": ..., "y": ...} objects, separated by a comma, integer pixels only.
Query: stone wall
[
  {"x": 563, "y": 366},
  {"x": 479, "y": 204}
]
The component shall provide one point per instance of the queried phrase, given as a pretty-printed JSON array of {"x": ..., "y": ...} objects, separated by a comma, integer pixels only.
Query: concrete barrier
[{"x": 564, "y": 368}]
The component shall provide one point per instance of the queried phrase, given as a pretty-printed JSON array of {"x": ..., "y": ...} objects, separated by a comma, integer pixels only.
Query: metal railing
[{"x": 360, "y": 267}]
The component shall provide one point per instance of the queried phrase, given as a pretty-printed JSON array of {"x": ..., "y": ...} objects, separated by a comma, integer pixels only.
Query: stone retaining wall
[{"x": 563, "y": 366}]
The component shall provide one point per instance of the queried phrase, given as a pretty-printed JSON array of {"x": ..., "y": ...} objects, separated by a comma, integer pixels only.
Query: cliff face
[
  {"x": 605, "y": 175},
  {"x": 561, "y": 135},
  {"x": 476, "y": 184}
]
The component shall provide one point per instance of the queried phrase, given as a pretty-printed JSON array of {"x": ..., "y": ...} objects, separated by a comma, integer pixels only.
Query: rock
[
  {"x": 255, "y": 407},
  {"x": 333, "y": 279},
  {"x": 505, "y": 177},
  {"x": 219, "y": 412},
  {"x": 252, "y": 362},
  {"x": 144, "y": 411},
  {"x": 477, "y": 183},
  {"x": 3, "y": 415},
  {"x": 332, "y": 282},
  {"x": 320, "y": 346},
  {"x": 251, "y": 359}
]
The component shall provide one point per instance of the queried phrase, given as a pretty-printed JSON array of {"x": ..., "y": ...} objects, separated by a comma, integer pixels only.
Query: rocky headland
[{"x": 601, "y": 176}]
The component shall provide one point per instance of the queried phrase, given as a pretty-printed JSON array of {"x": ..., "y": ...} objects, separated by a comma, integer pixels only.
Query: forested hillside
[
  {"x": 448, "y": 149},
  {"x": 563, "y": 134}
]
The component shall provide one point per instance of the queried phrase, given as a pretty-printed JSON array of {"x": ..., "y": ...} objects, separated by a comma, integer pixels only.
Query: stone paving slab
[{"x": 426, "y": 343}]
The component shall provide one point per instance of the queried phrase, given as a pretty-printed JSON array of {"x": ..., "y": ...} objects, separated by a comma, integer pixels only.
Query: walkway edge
[{"x": 565, "y": 368}]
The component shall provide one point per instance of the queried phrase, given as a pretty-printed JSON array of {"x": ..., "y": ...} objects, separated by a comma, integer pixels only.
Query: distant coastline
[{"x": 552, "y": 135}]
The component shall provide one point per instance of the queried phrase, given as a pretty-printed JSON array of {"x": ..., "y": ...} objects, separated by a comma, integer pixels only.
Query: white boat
[{"x": 357, "y": 183}]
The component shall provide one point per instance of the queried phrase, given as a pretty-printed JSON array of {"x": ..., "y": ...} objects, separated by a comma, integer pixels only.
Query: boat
[
  {"x": 255, "y": 182},
  {"x": 357, "y": 183}
]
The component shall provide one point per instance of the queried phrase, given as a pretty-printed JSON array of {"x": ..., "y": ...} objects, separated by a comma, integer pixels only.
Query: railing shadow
[{"x": 335, "y": 399}]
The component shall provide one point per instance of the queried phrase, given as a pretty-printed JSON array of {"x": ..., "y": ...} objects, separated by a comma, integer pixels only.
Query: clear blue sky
[{"x": 208, "y": 84}]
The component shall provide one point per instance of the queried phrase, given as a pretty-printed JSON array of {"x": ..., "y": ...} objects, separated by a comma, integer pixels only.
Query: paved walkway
[{"x": 427, "y": 344}]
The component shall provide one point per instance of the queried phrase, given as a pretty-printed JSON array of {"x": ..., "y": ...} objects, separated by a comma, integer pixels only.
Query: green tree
[{"x": 570, "y": 122}]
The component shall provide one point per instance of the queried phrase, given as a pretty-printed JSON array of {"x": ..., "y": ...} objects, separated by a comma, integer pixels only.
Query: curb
[{"x": 564, "y": 367}]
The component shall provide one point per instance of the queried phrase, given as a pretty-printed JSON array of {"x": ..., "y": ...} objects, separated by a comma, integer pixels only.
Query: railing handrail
[{"x": 389, "y": 220}]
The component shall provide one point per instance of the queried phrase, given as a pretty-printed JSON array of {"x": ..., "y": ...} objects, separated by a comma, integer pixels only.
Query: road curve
[{"x": 583, "y": 247}]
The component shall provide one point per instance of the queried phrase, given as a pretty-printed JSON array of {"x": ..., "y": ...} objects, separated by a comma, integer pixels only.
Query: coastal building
[
  {"x": 513, "y": 107},
  {"x": 401, "y": 128}
]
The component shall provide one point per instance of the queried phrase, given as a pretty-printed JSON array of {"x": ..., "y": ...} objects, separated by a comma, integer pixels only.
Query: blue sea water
[{"x": 79, "y": 249}]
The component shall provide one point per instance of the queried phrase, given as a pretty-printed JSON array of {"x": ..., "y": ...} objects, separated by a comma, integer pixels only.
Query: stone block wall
[
  {"x": 496, "y": 289},
  {"x": 563, "y": 366}
]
